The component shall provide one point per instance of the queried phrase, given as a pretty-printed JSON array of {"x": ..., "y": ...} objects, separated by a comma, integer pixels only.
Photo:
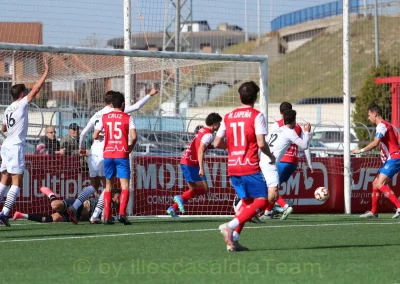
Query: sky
[{"x": 75, "y": 22}]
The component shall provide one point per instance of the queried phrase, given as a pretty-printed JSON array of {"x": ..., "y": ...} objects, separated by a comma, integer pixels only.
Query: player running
[
  {"x": 192, "y": 164},
  {"x": 60, "y": 206},
  {"x": 96, "y": 160},
  {"x": 288, "y": 163},
  {"x": 245, "y": 130},
  {"x": 386, "y": 138},
  {"x": 117, "y": 126},
  {"x": 15, "y": 122}
]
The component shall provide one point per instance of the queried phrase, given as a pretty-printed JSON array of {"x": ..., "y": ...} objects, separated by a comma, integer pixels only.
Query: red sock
[
  {"x": 375, "y": 198},
  {"x": 270, "y": 205},
  {"x": 123, "y": 202},
  {"x": 390, "y": 195},
  {"x": 175, "y": 206},
  {"x": 251, "y": 210},
  {"x": 282, "y": 203},
  {"x": 239, "y": 228},
  {"x": 188, "y": 194},
  {"x": 107, "y": 204}
]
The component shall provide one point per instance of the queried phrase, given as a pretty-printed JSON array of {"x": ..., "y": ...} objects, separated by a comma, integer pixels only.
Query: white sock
[
  {"x": 83, "y": 196},
  {"x": 235, "y": 236},
  {"x": 25, "y": 216},
  {"x": 11, "y": 197},
  {"x": 3, "y": 190},
  {"x": 233, "y": 224},
  {"x": 96, "y": 213},
  {"x": 285, "y": 207},
  {"x": 268, "y": 213}
]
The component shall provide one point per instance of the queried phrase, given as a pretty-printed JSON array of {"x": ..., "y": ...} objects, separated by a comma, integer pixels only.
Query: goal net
[{"x": 191, "y": 86}]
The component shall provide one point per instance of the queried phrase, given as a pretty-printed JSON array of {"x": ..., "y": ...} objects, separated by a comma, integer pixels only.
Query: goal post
[{"x": 77, "y": 82}]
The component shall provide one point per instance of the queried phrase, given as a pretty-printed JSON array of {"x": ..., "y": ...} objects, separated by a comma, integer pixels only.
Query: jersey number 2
[{"x": 113, "y": 128}]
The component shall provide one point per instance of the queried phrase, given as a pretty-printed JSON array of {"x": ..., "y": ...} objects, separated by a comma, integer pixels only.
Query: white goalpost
[{"x": 208, "y": 83}]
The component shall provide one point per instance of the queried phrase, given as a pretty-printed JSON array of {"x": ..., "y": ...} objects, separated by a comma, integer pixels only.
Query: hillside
[{"x": 315, "y": 69}]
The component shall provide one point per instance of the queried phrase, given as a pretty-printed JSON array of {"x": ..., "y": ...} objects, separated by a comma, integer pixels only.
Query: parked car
[{"x": 332, "y": 137}]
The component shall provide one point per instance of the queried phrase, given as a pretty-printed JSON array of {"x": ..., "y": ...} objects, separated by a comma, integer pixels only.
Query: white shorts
[
  {"x": 12, "y": 159},
  {"x": 270, "y": 173},
  {"x": 96, "y": 165}
]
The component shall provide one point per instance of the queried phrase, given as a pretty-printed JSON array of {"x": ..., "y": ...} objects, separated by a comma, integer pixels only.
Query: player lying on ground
[
  {"x": 245, "y": 130},
  {"x": 192, "y": 164},
  {"x": 96, "y": 160},
  {"x": 117, "y": 127},
  {"x": 385, "y": 137},
  {"x": 60, "y": 208},
  {"x": 15, "y": 123}
]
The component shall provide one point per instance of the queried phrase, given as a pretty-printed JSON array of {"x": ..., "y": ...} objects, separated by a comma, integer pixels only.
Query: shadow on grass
[{"x": 41, "y": 236}]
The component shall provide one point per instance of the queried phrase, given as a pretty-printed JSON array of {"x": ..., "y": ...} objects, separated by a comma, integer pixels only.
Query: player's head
[
  {"x": 115, "y": 193},
  {"x": 51, "y": 132},
  {"x": 374, "y": 113},
  {"x": 198, "y": 127},
  {"x": 248, "y": 93},
  {"x": 284, "y": 107},
  {"x": 213, "y": 121},
  {"x": 118, "y": 100},
  {"x": 108, "y": 97},
  {"x": 289, "y": 117},
  {"x": 18, "y": 91}
]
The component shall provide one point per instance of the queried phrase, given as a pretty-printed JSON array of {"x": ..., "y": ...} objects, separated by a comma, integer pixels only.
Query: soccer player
[
  {"x": 15, "y": 122},
  {"x": 96, "y": 161},
  {"x": 288, "y": 163},
  {"x": 60, "y": 206},
  {"x": 386, "y": 138},
  {"x": 245, "y": 130},
  {"x": 192, "y": 164},
  {"x": 117, "y": 126}
]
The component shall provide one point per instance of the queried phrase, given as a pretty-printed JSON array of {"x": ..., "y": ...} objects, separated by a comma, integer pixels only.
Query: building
[{"x": 198, "y": 38}]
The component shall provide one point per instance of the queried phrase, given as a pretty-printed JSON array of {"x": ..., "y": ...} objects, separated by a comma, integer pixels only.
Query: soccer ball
[{"x": 321, "y": 193}]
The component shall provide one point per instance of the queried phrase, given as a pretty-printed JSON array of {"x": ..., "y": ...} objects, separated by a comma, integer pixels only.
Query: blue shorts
[
  {"x": 191, "y": 173},
  {"x": 250, "y": 186},
  {"x": 390, "y": 168},
  {"x": 285, "y": 170},
  {"x": 118, "y": 167}
]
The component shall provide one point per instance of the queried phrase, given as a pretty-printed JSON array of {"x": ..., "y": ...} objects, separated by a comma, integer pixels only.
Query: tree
[{"x": 372, "y": 93}]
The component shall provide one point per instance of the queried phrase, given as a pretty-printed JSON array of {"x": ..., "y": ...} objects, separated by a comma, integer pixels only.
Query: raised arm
[
  {"x": 139, "y": 104},
  {"x": 85, "y": 132},
  {"x": 36, "y": 88}
]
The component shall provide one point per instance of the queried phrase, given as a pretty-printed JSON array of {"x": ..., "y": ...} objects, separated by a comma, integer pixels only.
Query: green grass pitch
[{"x": 302, "y": 249}]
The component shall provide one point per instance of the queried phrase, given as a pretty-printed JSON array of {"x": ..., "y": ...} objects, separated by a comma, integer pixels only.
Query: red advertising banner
[{"x": 157, "y": 179}]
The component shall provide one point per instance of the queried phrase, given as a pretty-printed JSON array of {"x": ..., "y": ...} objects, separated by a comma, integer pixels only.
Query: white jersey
[
  {"x": 16, "y": 120},
  {"x": 279, "y": 141},
  {"x": 98, "y": 145}
]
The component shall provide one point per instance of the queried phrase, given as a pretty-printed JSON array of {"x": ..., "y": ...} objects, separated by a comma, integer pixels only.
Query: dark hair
[
  {"x": 115, "y": 191},
  {"x": 108, "y": 97},
  {"x": 285, "y": 106},
  {"x": 213, "y": 118},
  {"x": 117, "y": 99},
  {"x": 248, "y": 93},
  {"x": 17, "y": 90},
  {"x": 198, "y": 127},
  {"x": 375, "y": 108},
  {"x": 289, "y": 116}
]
